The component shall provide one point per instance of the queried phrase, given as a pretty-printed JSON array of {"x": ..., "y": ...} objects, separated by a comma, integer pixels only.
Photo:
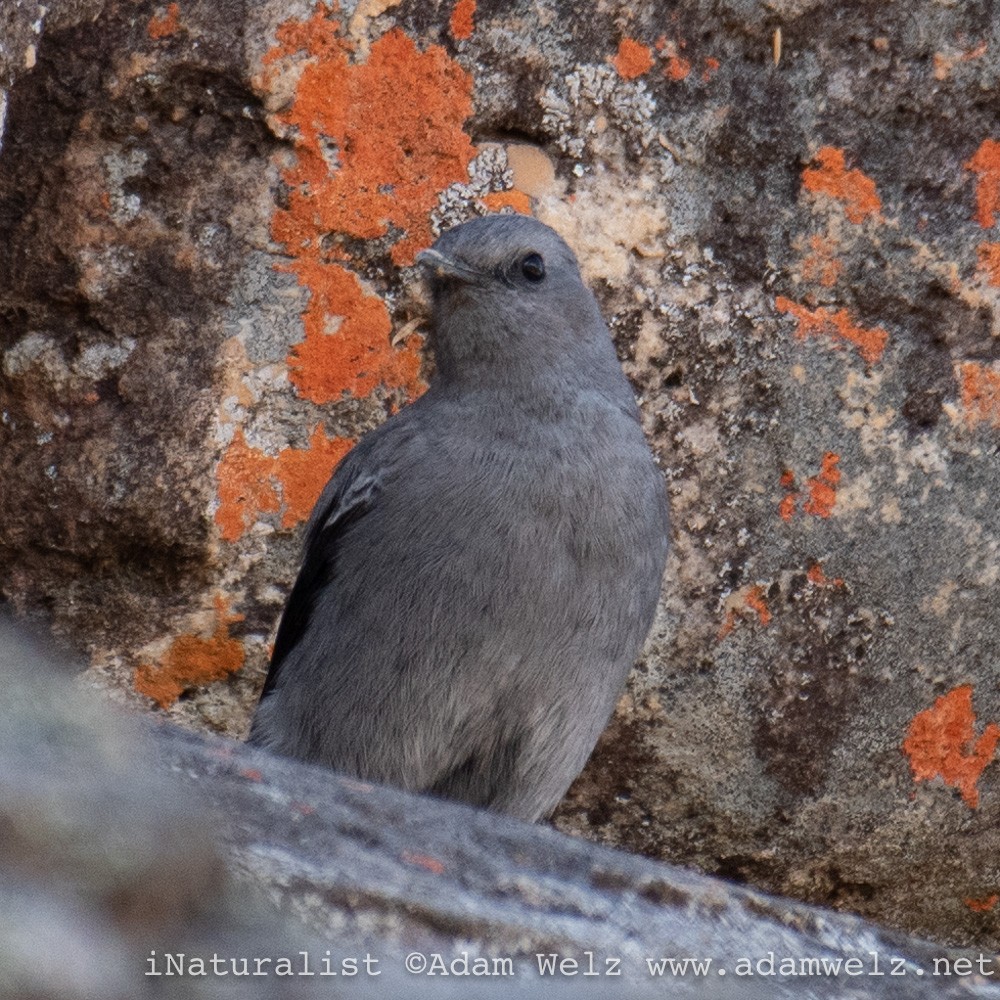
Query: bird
[{"x": 482, "y": 569}]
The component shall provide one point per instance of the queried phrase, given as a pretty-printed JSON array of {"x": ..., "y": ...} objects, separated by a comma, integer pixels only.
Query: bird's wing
[{"x": 347, "y": 497}]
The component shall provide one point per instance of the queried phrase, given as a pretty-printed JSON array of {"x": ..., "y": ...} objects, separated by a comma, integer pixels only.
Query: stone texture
[
  {"x": 789, "y": 214},
  {"x": 416, "y": 873},
  {"x": 122, "y": 845},
  {"x": 104, "y": 859}
]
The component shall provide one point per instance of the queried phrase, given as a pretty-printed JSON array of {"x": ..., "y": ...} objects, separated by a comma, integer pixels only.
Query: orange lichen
[
  {"x": 677, "y": 68},
  {"x": 980, "y": 388},
  {"x": 368, "y": 165},
  {"x": 245, "y": 490},
  {"x": 252, "y": 483},
  {"x": 985, "y": 164},
  {"x": 838, "y": 326},
  {"x": 303, "y": 472},
  {"x": 424, "y": 861},
  {"x": 711, "y": 68},
  {"x": 756, "y": 602},
  {"x": 820, "y": 265},
  {"x": 516, "y": 200},
  {"x": 166, "y": 24},
  {"x": 822, "y": 495},
  {"x": 823, "y": 487},
  {"x": 753, "y": 599},
  {"x": 632, "y": 59},
  {"x": 787, "y": 506},
  {"x": 942, "y": 742},
  {"x": 728, "y": 625},
  {"x": 461, "y": 23},
  {"x": 982, "y": 905},
  {"x": 368, "y": 161},
  {"x": 851, "y": 187},
  {"x": 818, "y": 578},
  {"x": 191, "y": 661},
  {"x": 347, "y": 346},
  {"x": 989, "y": 262}
]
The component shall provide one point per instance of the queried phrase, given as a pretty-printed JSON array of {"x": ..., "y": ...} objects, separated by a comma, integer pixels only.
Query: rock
[
  {"x": 788, "y": 211},
  {"x": 105, "y": 861},
  {"x": 440, "y": 878},
  {"x": 131, "y": 852}
]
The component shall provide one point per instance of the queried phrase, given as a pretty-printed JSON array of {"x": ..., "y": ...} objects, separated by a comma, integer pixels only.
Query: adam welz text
[{"x": 586, "y": 964}]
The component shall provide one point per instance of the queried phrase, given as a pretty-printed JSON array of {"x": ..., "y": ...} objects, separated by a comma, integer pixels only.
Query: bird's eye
[{"x": 533, "y": 267}]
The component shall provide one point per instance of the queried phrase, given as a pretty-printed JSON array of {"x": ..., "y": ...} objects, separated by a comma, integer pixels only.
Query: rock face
[
  {"x": 112, "y": 879},
  {"x": 789, "y": 214}
]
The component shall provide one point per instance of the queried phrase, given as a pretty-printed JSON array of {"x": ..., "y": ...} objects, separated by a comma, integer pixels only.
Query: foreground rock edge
[{"x": 358, "y": 860}]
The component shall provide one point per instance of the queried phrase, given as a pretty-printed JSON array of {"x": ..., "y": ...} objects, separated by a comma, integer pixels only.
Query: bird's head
[{"x": 506, "y": 289}]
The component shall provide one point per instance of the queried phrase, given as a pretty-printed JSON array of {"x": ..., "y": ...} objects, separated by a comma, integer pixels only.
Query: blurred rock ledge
[{"x": 121, "y": 838}]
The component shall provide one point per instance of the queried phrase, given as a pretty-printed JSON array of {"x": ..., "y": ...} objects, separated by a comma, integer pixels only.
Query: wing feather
[{"x": 348, "y": 496}]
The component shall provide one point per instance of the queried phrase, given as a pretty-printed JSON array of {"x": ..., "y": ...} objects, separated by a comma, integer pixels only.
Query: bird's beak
[{"x": 443, "y": 266}]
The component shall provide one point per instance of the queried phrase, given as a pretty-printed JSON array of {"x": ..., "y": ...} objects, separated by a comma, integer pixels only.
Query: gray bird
[{"x": 481, "y": 570}]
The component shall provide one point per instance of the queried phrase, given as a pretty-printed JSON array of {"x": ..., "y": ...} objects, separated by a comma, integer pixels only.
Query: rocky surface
[
  {"x": 451, "y": 881},
  {"x": 788, "y": 211},
  {"x": 129, "y": 853},
  {"x": 105, "y": 860}
]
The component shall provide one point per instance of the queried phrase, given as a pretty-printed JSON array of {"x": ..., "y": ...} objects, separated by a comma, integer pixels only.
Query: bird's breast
[{"x": 581, "y": 486}]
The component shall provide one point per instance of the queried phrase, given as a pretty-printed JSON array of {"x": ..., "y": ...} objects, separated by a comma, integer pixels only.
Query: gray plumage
[{"x": 482, "y": 569}]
